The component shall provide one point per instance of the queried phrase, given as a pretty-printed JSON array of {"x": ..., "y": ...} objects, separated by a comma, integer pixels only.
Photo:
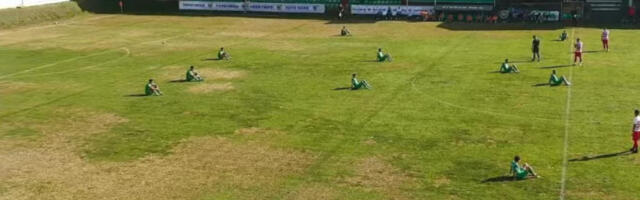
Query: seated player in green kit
[
  {"x": 193, "y": 75},
  {"x": 521, "y": 172},
  {"x": 345, "y": 31},
  {"x": 223, "y": 54},
  {"x": 355, "y": 84},
  {"x": 555, "y": 81},
  {"x": 506, "y": 68},
  {"x": 383, "y": 57},
  {"x": 563, "y": 36},
  {"x": 152, "y": 89}
]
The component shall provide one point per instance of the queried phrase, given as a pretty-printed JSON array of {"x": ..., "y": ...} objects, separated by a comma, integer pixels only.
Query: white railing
[{"x": 24, "y": 3}]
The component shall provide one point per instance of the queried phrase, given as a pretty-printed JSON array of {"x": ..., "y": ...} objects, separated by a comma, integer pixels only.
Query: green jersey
[
  {"x": 148, "y": 89},
  {"x": 189, "y": 76},
  {"x": 355, "y": 83},
  {"x": 520, "y": 172},
  {"x": 505, "y": 68},
  {"x": 554, "y": 80}
]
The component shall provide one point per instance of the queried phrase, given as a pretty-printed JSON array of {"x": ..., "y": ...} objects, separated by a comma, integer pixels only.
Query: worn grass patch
[
  {"x": 194, "y": 167},
  {"x": 256, "y": 131},
  {"x": 10, "y": 87},
  {"x": 210, "y": 87},
  {"x": 314, "y": 192},
  {"x": 375, "y": 174}
]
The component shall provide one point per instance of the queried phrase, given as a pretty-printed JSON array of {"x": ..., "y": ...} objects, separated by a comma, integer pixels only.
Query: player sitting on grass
[
  {"x": 355, "y": 84},
  {"x": 345, "y": 31},
  {"x": 521, "y": 172},
  {"x": 223, "y": 54},
  {"x": 555, "y": 81},
  {"x": 506, "y": 68},
  {"x": 152, "y": 89},
  {"x": 193, "y": 75},
  {"x": 383, "y": 57},
  {"x": 563, "y": 36}
]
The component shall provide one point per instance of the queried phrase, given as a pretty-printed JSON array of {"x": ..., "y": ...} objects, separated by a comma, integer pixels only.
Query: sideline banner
[
  {"x": 253, "y": 7},
  {"x": 209, "y": 5},
  {"x": 547, "y": 15},
  {"x": 464, "y": 7},
  {"x": 383, "y": 9},
  {"x": 286, "y": 7}
]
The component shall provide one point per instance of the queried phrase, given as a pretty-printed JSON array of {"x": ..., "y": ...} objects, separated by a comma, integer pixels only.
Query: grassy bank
[{"x": 13, "y": 17}]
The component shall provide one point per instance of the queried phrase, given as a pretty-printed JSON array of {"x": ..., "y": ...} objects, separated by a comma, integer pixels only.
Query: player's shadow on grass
[
  {"x": 211, "y": 59},
  {"x": 517, "y": 61},
  {"x": 593, "y": 51},
  {"x": 178, "y": 81},
  {"x": 135, "y": 95},
  {"x": 541, "y": 84},
  {"x": 500, "y": 179},
  {"x": 555, "y": 66},
  {"x": 342, "y": 88},
  {"x": 587, "y": 158}
]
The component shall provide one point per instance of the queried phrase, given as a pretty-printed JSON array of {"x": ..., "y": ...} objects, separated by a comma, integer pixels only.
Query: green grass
[
  {"x": 13, "y": 17},
  {"x": 438, "y": 121}
]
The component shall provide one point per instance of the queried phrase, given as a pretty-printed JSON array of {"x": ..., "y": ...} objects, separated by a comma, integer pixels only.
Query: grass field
[{"x": 268, "y": 124}]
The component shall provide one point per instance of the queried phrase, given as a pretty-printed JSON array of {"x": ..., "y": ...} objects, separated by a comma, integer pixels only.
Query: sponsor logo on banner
[
  {"x": 465, "y": 7},
  {"x": 254, "y": 7},
  {"x": 207, "y": 5},
  {"x": 547, "y": 15},
  {"x": 383, "y": 9},
  {"x": 286, "y": 7}
]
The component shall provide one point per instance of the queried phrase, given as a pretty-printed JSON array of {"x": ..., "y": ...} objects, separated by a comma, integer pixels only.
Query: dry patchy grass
[
  {"x": 313, "y": 192},
  {"x": 210, "y": 87},
  {"x": 52, "y": 169},
  {"x": 15, "y": 87},
  {"x": 373, "y": 173},
  {"x": 256, "y": 131}
]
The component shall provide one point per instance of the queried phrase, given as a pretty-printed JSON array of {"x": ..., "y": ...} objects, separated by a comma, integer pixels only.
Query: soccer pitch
[{"x": 273, "y": 123}]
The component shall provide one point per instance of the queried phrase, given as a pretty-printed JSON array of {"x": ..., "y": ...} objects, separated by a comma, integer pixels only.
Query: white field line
[
  {"x": 63, "y": 23},
  {"x": 85, "y": 56},
  {"x": 567, "y": 119},
  {"x": 126, "y": 50}
]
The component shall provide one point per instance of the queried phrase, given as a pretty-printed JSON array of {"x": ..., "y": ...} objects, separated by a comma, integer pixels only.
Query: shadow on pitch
[
  {"x": 370, "y": 61},
  {"x": 501, "y": 179},
  {"x": 135, "y": 95},
  {"x": 541, "y": 84},
  {"x": 555, "y": 66},
  {"x": 517, "y": 61},
  {"x": 178, "y": 81},
  {"x": 593, "y": 51},
  {"x": 587, "y": 158},
  {"x": 211, "y": 59},
  {"x": 342, "y": 88}
]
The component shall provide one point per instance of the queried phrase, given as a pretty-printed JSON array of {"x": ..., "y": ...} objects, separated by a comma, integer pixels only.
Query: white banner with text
[{"x": 253, "y": 7}]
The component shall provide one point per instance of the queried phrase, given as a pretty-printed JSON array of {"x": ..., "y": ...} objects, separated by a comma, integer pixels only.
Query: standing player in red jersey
[
  {"x": 577, "y": 54},
  {"x": 635, "y": 131},
  {"x": 605, "y": 39}
]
